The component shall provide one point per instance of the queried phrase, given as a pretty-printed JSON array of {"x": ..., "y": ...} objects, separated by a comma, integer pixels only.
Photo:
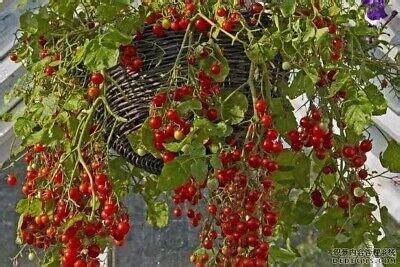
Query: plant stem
[
  {"x": 266, "y": 82},
  {"x": 79, "y": 147},
  {"x": 178, "y": 57},
  {"x": 234, "y": 38},
  {"x": 112, "y": 113},
  {"x": 250, "y": 82}
]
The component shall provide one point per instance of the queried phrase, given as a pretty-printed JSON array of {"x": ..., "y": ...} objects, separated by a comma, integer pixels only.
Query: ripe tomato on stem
[
  {"x": 202, "y": 25},
  {"x": 11, "y": 180},
  {"x": 13, "y": 57},
  {"x": 215, "y": 68},
  {"x": 93, "y": 92},
  {"x": 222, "y": 12},
  {"x": 261, "y": 105}
]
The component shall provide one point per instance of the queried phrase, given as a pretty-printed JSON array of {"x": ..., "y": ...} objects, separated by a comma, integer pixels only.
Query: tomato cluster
[
  {"x": 74, "y": 214},
  {"x": 190, "y": 192},
  {"x": 337, "y": 43},
  {"x": 130, "y": 58},
  {"x": 313, "y": 133},
  {"x": 242, "y": 208},
  {"x": 318, "y": 135},
  {"x": 239, "y": 211},
  {"x": 176, "y": 20}
]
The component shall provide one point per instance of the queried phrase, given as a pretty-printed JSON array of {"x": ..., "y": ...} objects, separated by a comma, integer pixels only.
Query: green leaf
[
  {"x": 325, "y": 242},
  {"x": 80, "y": 53},
  {"x": 358, "y": 113},
  {"x": 196, "y": 149},
  {"x": 72, "y": 125},
  {"x": 51, "y": 258},
  {"x": 50, "y": 105},
  {"x": 174, "y": 146},
  {"x": 28, "y": 22},
  {"x": 206, "y": 129},
  {"x": 43, "y": 17},
  {"x": 65, "y": 8},
  {"x": 23, "y": 126},
  {"x": 312, "y": 73},
  {"x": 396, "y": 80},
  {"x": 300, "y": 84},
  {"x": 377, "y": 99},
  {"x": 29, "y": 206},
  {"x": 363, "y": 30},
  {"x": 334, "y": 10},
  {"x": 75, "y": 102},
  {"x": 157, "y": 213},
  {"x": 119, "y": 175},
  {"x": 199, "y": 169},
  {"x": 135, "y": 139},
  {"x": 234, "y": 106},
  {"x": 147, "y": 138},
  {"x": 34, "y": 138},
  {"x": 132, "y": 23},
  {"x": 55, "y": 134},
  {"x": 114, "y": 38},
  {"x": 98, "y": 56},
  {"x": 309, "y": 33},
  {"x": 282, "y": 114},
  {"x": 217, "y": 57},
  {"x": 294, "y": 169},
  {"x": 224, "y": 129},
  {"x": 341, "y": 238},
  {"x": 108, "y": 12},
  {"x": 390, "y": 159},
  {"x": 342, "y": 78},
  {"x": 303, "y": 213},
  {"x": 278, "y": 254},
  {"x": 216, "y": 162},
  {"x": 190, "y": 105},
  {"x": 260, "y": 51},
  {"x": 71, "y": 221},
  {"x": 321, "y": 35},
  {"x": 175, "y": 173},
  {"x": 287, "y": 7},
  {"x": 385, "y": 215},
  {"x": 328, "y": 218}
]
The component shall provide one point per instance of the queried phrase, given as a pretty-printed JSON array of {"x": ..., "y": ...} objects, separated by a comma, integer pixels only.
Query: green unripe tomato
[
  {"x": 31, "y": 256},
  {"x": 166, "y": 24},
  {"x": 141, "y": 152},
  {"x": 179, "y": 135},
  {"x": 214, "y": 148},
  {"x": 286, "y": 65},
  {"x": 358, "y": 192},
  {"x": 324, "y": 127},
  {"x": 31, "y": 167}
]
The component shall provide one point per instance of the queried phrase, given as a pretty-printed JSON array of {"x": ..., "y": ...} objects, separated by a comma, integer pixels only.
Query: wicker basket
[{"x": 131, "y": 97}]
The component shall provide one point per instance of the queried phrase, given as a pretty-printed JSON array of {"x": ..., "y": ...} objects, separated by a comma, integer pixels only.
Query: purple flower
[{"x": 376, "y": 9}]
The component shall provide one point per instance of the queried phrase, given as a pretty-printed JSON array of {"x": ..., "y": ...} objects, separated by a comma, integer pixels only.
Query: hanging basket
[{"x": 130, "y": 94}]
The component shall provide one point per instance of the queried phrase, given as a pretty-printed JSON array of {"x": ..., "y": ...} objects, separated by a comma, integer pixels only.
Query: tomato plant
[{"x": 259, "y": 171}]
